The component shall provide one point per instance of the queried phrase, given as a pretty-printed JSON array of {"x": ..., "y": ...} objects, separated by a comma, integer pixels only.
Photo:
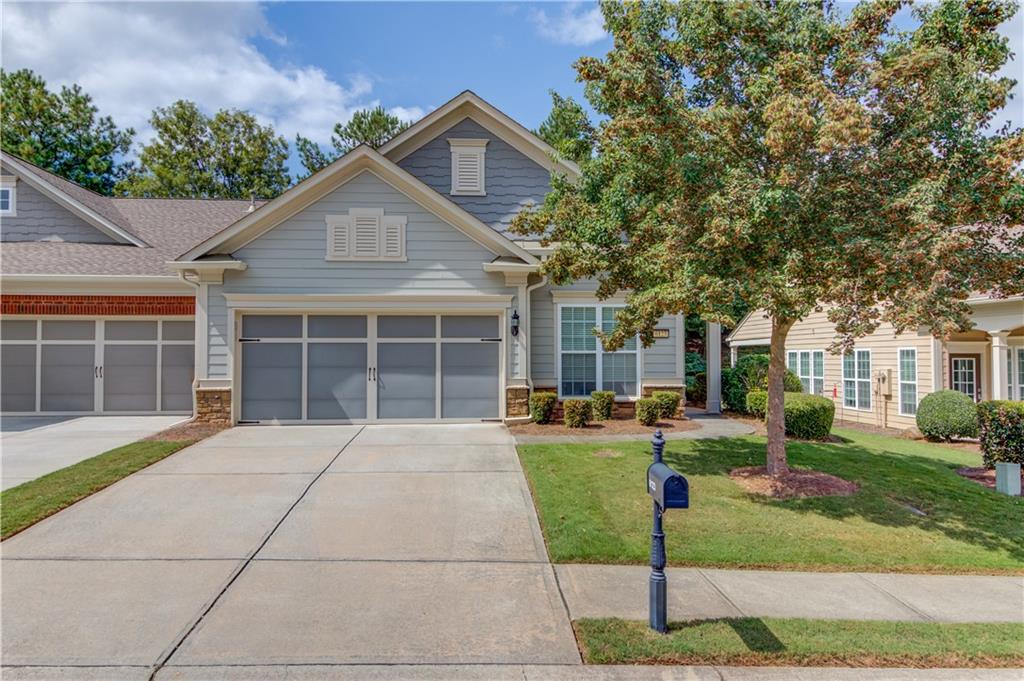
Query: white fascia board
[
  {"x": 79, "y": 209},
  {"x": 362, "y": 159},
  {"x": 469, "y": 104},
  {"x": 86, "y": 284},
  {"x": 366, "y": 303},
  {"x": 206, "y": 265},
  {"x": 511, "y": 267},
  {"x": 747, "y": 343}
]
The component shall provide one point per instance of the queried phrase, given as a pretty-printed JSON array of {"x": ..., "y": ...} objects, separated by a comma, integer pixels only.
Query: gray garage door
[
  {"x": 323, "y": 367},
  {"x": 96, "y": 366}
]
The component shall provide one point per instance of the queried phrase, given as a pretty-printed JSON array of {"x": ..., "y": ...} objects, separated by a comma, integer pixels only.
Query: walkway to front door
[{"x": 293, "y": 545}]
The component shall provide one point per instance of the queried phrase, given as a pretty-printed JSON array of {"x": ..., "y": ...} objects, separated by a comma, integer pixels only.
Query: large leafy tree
[
  {"x": 568, "y": 129},
  {"x": 793, "y": 155},
  {"x": 372, "y": 127},
  {"x": 61, "y": 131},
  {"x": 227, "y": 155}
]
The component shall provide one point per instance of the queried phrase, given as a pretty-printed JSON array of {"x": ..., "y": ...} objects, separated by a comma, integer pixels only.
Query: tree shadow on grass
[
  {"x": 895, "y": 489},
  {"x": 755, "y": 634}
]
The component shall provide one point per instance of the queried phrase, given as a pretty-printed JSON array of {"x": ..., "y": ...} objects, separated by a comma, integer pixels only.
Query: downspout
[
  {"x": 195, "y": 364},
  {"x": 529, "y": 329}
]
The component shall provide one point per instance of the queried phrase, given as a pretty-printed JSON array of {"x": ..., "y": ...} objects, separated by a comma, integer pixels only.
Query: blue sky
[{"x": 305, "y": 66}]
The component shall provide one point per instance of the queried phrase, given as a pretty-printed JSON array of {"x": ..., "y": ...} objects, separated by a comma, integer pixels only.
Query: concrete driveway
[
  {"x": 31, "y": 446},
  {"x": 319, "y": 545}
]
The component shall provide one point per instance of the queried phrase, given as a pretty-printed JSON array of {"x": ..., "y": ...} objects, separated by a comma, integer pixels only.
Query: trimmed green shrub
[
  {"x": 808, "y": 417},
  {"x": 734, "y": 393},
  {"x": 542, "y": 406},
  {"x": 694, "y": 364},
  {"x": 668, "y": 402},
  {"x": 699, "y": 391},
  {"x": 601, "y": 403},
  {"x": 577, "y": 413},
  {"x": 757, "y": 403},
  {"x": 648, "y": 411},
  {"x": 947, "y": 414},
  {"x": 1001, "y": 428}
]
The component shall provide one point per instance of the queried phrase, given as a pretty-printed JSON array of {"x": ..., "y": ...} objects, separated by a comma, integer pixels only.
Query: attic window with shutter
[
  {"x": 468, "y": 166},
  {"x": 366, "y": 234}
]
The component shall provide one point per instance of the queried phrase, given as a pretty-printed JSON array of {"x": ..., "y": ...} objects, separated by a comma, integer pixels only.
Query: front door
[
  {"x": 963, "y": 373},
  {"x": 408, "y": 367}
]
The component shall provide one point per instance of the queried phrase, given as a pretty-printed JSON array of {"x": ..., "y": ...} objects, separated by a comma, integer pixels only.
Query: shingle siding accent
[
  {"x": 512, "y": 180},
  {"x": 96, "y": 305},
  {"x": 39, "y": 218}
]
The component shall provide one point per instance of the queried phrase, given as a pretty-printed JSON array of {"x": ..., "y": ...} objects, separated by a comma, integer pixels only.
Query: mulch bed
[
  {"x": 610, "y": 427},
  {"x": 983, "y": 476},
  {"x": 190, "y": 430},
  {"x": 797, "y": 484}
]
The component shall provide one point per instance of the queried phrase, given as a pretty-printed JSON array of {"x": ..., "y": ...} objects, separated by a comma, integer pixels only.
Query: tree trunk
[{"x": 776, "y": 460}]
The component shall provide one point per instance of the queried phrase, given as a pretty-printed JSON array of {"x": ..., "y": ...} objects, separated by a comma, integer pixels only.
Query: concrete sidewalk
[
  {"x": 699, "y": 593},
  {"x": 567, "y": 673}
]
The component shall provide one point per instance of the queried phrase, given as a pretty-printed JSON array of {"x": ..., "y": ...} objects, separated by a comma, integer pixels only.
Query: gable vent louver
[
  {"x": 468, "y": 166},
  {"x": 366, "y": 234}
]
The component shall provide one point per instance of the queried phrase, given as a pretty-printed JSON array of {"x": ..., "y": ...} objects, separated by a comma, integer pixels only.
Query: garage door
[
  {"x": 369, "y": 367},
  {"x": 69, "y": 366}
]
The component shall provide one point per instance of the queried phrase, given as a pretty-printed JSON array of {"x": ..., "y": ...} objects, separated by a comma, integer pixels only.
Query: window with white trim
[
  {"x": 468, "y": 164},
  {"x": 1019, "y": 352},
  {"x": 908, "y": 381},
  {"x": 8, "y": 197},
  {"x": 366, "y": 234},
  {"x": 584, "y": 365},
  {"x": 857, "y": 379},
  {"x": 809, "y": 365}
]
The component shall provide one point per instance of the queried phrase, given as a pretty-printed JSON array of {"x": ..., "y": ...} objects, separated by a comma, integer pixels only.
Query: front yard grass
[
  {"x": 913, "y": 513},
  {"x": 803, "y": 642},
  {"x": 30, "y": 502}
]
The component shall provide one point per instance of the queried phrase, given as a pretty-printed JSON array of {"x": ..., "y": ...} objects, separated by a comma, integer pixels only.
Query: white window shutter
[
  {"x": 339, "y": 229},
  {"x": 394, "y": 236}
]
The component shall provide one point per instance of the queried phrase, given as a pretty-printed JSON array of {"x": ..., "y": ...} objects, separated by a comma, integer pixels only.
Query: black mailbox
[{"x": 668, "y": 488}]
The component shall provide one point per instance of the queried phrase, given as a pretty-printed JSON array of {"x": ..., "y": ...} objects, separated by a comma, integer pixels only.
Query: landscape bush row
[{"x": 578, "y": 413}]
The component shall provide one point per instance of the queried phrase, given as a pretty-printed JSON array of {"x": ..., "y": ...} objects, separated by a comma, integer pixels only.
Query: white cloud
[
  {"x": 133, "y": 57},
  {"x": 576, "y": 24},
  {"x": 408, "y": 113}
]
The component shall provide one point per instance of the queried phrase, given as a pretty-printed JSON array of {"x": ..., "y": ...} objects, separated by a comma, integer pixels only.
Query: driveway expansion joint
[{"x": 162, "y": 661}]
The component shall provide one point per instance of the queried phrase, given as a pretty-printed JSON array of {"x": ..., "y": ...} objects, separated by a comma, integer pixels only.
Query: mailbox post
[{"x": 668, "y": 489}]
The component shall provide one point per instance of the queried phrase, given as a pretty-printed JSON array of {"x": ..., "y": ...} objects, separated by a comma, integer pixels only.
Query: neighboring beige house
[{"x": 882, "y": 381}]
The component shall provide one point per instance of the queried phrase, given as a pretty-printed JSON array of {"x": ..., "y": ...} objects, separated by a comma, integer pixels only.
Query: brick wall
[
  {"x": 96, "y": 305},
  {"x": 213, "y": 405}
]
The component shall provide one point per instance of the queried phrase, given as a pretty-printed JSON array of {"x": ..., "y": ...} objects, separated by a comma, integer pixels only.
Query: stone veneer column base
[
  {"x": 213, "y": 405},
  {"x": 517, "y": 401}
]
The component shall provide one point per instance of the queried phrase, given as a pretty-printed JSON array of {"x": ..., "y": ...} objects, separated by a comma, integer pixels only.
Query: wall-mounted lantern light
[{"x": 515, "y": 322}]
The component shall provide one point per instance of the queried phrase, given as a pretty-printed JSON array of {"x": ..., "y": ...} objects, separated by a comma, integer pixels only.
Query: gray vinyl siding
[
  {"x": 38, "y": 218},
  {"x": 511, "y": 180},
  {"x": 291, "y": 258},
  {"x": 658, "y": 362},
  {"x": 217, "y": 333}
]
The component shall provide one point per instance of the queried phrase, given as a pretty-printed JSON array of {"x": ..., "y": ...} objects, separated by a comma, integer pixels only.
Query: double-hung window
[
  {"x": 809, "y": 365},
  {"x": 857, "y": 379},
  {"x": 584, "y": 365},
  {"x": 908, "y": 381}
]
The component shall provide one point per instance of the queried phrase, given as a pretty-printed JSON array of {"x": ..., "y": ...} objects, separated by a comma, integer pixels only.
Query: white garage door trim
[
  {"x": 99, "y": 343},
  {"x": 372, "y": 341}
]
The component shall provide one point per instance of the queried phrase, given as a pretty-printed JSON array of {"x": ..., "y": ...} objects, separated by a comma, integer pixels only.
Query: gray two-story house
[{"x": 385, "y": 287}]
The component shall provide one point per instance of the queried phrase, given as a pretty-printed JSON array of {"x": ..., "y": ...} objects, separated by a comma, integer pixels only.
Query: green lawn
[
  {"x": 594, "y": 509},
  {"x": 30, "y": 502},
  {"x": 751, "y": 641}
]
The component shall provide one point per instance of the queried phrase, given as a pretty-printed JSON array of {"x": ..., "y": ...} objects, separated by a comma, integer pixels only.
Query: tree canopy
[
  {"x": 60, "y": 131},
  {"x": 792, "y": 155},
  {"x": 372, "y": 127},
  {"x": 227, "y": 155},
  {"x": 567, "y": 129}
]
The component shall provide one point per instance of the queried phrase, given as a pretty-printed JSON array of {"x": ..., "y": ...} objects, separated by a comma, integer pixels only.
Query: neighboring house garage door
[
  {"x": 370, "y": 367},
  {"x": 71, "y": 366}
]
